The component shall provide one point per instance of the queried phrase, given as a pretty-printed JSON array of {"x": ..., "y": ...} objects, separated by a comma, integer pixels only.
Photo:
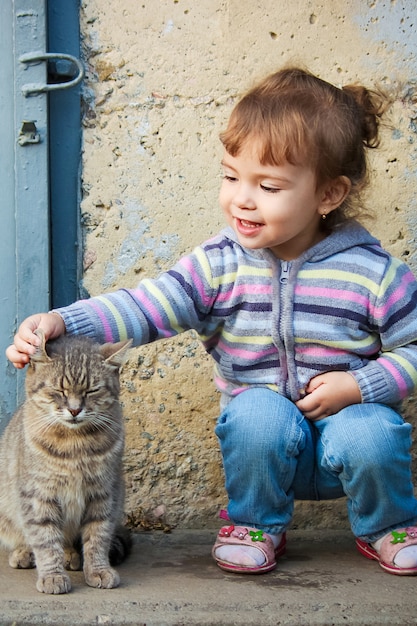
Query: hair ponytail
[{"x": 372, "y": 106}]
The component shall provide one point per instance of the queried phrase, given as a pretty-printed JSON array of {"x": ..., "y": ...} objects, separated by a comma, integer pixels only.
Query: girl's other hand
[
  {"x": 328, "y": 394},
  {"x": 26, "y": 342}
]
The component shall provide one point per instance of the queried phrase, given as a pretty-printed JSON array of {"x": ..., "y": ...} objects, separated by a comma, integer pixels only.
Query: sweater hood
[{"x": 346, "y": 236}]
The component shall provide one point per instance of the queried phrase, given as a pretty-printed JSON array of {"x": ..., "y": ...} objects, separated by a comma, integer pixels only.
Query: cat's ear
[
  {"x": 40, "y": 355},
  {"x": 115, "y": 353}
]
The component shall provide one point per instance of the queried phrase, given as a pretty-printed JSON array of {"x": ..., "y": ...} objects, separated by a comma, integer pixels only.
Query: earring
[{"x": 323, "y": 216}]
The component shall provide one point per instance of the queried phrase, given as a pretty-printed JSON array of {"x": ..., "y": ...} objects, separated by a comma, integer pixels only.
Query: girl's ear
[{"x": 334, "y": 193}]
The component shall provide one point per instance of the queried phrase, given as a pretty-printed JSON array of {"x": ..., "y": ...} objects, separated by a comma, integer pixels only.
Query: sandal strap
[
  {"x": 247, "y": 536},
  {"x": 395, "y": 541}
]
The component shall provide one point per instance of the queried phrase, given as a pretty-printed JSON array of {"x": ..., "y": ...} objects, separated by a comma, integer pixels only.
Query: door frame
[{"x": 65, "y": 136}]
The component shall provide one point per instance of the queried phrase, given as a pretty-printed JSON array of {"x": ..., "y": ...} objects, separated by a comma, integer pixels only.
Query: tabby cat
[{"x": 61, "y": 483}]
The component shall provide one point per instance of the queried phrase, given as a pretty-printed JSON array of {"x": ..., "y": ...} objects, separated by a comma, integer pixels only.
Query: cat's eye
[
  {"x": 56, "y": 395},
  {"x": 94, "y": 391}
]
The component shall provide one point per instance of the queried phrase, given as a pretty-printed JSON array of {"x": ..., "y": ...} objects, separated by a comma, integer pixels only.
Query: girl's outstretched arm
[{"x": 25, "y": 341}]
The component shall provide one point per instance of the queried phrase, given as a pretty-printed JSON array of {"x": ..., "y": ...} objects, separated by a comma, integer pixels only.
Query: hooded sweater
[{"x": 345, "y": 304}]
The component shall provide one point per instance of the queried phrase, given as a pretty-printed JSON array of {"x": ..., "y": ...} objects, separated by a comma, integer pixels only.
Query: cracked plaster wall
[{"x": 162, "y": 78}]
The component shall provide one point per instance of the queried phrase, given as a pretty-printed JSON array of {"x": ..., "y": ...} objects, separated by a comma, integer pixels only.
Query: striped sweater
[{"x": 345, "y": 304}]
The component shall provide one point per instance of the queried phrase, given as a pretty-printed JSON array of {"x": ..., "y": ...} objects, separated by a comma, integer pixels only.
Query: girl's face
[{"x": 270, "y": 206}]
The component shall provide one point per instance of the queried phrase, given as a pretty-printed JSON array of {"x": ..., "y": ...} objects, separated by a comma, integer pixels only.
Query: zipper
[
  {"x": 283, "y": 279},
  {"x": 285, "y": 272}
]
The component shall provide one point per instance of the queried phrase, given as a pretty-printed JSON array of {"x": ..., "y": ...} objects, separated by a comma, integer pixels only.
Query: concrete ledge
[{"x": 171, "y": 579}]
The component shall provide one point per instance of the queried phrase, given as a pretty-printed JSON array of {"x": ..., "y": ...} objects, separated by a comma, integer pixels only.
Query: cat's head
[{"x": 74, "y": 382}]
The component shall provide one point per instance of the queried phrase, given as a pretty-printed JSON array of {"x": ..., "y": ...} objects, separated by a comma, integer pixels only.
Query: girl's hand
[
  {"x": 26, "y": 342},
  {"x": 328, "y": 394}
]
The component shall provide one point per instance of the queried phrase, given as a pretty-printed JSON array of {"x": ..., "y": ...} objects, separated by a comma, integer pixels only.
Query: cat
[{"x": 61, "y": 482}]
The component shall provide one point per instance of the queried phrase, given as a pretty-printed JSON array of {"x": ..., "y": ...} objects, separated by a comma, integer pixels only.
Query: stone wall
[{"x": 162, "y": 77}]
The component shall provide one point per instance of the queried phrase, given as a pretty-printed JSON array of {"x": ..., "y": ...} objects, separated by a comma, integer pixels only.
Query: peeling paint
[
  {"x": 392, "y": 24},
  {"x": 169, "y": 26},
  {"x": 137, "y": 244}
]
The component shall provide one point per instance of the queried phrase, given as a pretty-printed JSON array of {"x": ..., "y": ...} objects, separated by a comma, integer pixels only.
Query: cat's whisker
[
  {"x": 102, "y": 422},
  {"x": 43, "y": 422}
]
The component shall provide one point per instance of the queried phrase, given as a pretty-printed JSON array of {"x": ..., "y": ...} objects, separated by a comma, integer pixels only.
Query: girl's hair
[{"x": 295, "y": 116}]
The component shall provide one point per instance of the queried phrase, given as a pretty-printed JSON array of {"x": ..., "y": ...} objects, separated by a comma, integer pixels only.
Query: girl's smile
[{"x": 247, "y": 228}]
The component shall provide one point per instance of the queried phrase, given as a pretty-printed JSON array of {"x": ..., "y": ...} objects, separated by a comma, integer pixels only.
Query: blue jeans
[{"x": 272, "y": 455}]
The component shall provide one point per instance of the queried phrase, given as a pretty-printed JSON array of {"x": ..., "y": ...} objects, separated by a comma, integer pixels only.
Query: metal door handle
[{"x": 32, "y": 89}]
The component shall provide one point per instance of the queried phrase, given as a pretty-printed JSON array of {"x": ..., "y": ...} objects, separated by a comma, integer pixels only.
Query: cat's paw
[
  {"x": 54, "y": 584},
  {"x": 102, "y": 578},
  {"x": 22, "y": 558},
  {"x": 72, "y": 560}
]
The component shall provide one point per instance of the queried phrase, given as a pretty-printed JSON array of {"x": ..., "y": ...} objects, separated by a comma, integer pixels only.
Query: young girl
[{"x": 311, "y": 324}]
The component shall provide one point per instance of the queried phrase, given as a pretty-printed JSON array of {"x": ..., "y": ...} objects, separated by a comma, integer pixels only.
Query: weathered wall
[{"x": 162, "y": 77}]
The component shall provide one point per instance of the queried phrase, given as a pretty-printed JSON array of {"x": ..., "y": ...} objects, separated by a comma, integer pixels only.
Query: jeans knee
[
  {"x": 259, "y": 420},
  {"x": 369, "y": 436}
]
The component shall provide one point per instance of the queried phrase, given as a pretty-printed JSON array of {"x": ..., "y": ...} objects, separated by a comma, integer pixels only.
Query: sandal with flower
[
  {"x": 392, "y": 544},
  {"x": 244, "y": 536}
]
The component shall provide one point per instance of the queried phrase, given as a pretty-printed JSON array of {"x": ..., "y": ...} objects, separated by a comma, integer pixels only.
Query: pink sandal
[
  {"x": 392, "y": 544},
  {"x": 243, "y": 536}
]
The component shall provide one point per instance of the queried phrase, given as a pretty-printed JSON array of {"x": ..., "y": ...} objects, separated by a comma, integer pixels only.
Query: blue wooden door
[
  {"x": 25, "y": 205},
  {"x": 24, "y": 230}
]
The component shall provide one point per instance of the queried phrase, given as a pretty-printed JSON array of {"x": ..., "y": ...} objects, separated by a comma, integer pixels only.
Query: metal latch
[
  {"x": 28, "y": 133},
  {"x": 70, "y": 62}
]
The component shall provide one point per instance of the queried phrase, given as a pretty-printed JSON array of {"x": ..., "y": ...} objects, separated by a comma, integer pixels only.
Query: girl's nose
[{"x": 243, "y": 198}]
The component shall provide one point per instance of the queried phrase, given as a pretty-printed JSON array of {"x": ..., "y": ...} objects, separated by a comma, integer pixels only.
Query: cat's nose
[{"x": 74, "y": 412}]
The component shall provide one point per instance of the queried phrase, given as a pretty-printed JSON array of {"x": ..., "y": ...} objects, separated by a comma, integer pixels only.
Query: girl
[{"x": 311, "y": 324}]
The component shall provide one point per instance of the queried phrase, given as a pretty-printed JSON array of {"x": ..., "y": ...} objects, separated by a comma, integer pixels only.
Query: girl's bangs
[{"x": 277, "y": 139}]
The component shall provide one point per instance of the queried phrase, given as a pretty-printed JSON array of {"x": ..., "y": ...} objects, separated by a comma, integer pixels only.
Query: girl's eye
[
  {"x": 269, "y": 189},
  {"x": 231, "y": 179}
]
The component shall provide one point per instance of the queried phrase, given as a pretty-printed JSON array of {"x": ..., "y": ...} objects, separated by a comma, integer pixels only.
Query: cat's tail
[{"x": 121, "y": 545}]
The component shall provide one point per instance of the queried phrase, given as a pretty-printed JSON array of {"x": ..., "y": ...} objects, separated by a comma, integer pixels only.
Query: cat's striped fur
[{"x": 61, "y": 482}]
